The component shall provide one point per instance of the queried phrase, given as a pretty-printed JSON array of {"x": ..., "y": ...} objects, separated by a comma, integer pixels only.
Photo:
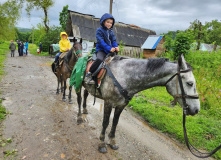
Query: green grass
[
  {"x": 33, "y": 49},
  {"x": 3, "y": 52},
  {"x": 204, "y": 129}
]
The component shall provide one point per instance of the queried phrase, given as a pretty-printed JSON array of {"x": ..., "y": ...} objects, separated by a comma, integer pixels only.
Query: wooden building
[
  {"x": 84, "y": 26},
  {"x": 153, "y": 46}
]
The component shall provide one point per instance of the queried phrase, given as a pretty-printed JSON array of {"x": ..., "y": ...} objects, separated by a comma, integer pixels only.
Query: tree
[
  {"x": 9, "y": 14},
  {"x": 63, "y": 17},
  {"x": 213, "y": 33},
  {"x": 198, "y": 31},
  {"x": 40, "y": 4},
  {"x": 182, "y": 44}
]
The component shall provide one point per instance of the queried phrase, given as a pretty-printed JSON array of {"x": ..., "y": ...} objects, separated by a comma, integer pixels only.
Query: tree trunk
[
  {"x": 214, "y": 47},
  {"x": 46, "y": 19},
  {"x": 199, "y": 36}
]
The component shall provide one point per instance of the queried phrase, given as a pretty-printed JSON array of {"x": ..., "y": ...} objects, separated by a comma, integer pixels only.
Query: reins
[
  {"x": 183, "y": 95},
  {"x": 70, "y": 68}
]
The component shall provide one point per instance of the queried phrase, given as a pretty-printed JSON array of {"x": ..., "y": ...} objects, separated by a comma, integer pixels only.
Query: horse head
[
  {"x": 77, "y": 46},
  {"x": 174, "y": 88}
]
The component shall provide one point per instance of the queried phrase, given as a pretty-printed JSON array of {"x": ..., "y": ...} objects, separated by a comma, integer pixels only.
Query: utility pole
[{"x": 111, "y": 2}]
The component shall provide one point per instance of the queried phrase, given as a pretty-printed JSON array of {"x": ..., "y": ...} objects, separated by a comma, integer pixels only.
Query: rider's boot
[{"x": 88, "y": 78}]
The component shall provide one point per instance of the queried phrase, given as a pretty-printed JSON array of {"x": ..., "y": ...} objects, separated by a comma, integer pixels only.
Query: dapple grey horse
[{"x": 136, "y": 75}]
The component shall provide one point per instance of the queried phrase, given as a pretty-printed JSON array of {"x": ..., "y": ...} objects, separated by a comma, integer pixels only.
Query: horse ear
[
  {"x": 74, "y": 40},
  {"x": 81, "y": 40},
  {"x": 182, "y": 62}
]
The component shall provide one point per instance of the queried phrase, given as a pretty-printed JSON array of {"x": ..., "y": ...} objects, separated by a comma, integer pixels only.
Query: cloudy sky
[{"x": 158, "y": 15}]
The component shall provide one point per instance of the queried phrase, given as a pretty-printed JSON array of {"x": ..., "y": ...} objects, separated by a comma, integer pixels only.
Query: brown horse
[{"x": 64, "y": 71}]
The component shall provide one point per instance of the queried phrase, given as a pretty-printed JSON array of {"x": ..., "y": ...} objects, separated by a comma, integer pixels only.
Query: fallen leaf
[
  {"x": 23, "y": 157},
  {"x": 62, "y": 155}
]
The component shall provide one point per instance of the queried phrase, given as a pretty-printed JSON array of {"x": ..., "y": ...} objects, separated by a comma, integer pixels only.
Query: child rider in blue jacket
[{"x": 106, "y": 43}]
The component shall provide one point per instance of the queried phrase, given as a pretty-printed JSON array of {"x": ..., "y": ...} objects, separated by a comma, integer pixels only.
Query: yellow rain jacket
[{"x": 64, "y": 43}]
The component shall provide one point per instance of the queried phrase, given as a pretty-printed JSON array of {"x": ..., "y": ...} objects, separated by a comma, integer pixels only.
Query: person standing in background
[
  {"x": 19, "y": 45},
  {"x": 21, "y": 49},
  {"x": 12, "y": 47},
  {"x": 40, "y": 47},
  {"x": 26, "y": 47}
]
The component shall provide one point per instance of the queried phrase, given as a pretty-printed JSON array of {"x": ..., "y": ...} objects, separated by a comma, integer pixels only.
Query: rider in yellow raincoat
[{"x": 64, "y": 45}]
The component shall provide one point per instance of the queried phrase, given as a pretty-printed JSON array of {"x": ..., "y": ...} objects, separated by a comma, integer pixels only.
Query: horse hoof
[
  {"x": 70, "y": 102},
  {"x": 79, "y": 120},
  {"x": 102, "y": 149},
  {"x": 57, "y": 92},
  {"x": 114, "y": 147},
  {"x": 64, "y": 100},
  {"x": 85, "y": 111}
]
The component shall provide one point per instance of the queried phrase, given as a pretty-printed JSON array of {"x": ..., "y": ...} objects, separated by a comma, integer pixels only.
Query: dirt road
[{"x": 42, "y": 127}]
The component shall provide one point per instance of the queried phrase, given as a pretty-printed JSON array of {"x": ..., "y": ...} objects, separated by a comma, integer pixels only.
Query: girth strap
[{"x": 122, "y": 91}]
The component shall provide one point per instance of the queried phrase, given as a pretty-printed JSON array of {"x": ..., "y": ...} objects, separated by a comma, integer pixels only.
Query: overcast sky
[{"x": 158, "y": 15}]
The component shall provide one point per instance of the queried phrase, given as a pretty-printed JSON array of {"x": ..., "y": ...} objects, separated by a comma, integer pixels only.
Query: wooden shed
[
  {"x": 84, "y": 26},
  {"x": 153, "y": 46}
]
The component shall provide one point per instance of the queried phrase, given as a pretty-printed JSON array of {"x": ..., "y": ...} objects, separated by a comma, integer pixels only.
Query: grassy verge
[
  {"x": 3, "y": 52},
  {"x": 33, "y": 50},
  {"x": 204, "y": 129}
]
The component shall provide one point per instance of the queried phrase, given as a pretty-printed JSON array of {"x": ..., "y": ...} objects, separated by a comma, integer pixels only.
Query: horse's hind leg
[
  {"x": 113, "y": 128},
  {"x": 64, "y": 99},
  {"x": 58, "y": 86},
  {"x": 62, "y": 87},
  {"x": 85, "y": 102},
  {"x": 69, "y": 97},
  {"x": 79, "y": 119},
  {"x": 107, "y": 111}
]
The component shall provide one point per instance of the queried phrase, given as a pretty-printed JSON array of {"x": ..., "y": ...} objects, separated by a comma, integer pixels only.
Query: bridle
[
  {"x": 183, "y": 95},
  {"x": 77, "y": 55}
]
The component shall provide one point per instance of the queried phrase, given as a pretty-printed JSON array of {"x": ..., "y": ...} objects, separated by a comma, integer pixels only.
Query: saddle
[
  {"x": 61, "y": 58},
  {"x": 101, "y": 71}
]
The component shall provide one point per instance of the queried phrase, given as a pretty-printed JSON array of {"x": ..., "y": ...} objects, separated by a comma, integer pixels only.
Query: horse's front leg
[
  {"x": 85, "y": 102},
  {"x": 118, "y": 111},
  {"x": 69, "y": 96},
  {"x": 64, "y": 99},
  {"x": 79, "y": 119},
  {"x": 107, "y": 111}
]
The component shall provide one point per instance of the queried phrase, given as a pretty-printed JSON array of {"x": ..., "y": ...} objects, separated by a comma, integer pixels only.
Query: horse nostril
[{"x": 196, "y": 111}]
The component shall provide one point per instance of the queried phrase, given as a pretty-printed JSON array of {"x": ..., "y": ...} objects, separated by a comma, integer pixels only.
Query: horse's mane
[
  {"x": 117, "y": 58},
  {"x": 155, "y": 63},
  {"x": 67, "y": 57}
]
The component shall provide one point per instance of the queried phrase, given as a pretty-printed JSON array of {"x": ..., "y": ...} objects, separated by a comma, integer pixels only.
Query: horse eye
[{"x": 190, "y": 83}]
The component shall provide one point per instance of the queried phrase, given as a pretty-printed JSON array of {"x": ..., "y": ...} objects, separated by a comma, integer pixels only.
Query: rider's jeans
[{"x": 57, "y": 56}]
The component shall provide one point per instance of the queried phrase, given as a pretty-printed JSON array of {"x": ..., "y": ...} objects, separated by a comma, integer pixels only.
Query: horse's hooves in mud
[
  {"x": 70, "y": 102},
  {"x": 114, "y": 147},
  {"x": 85, "y": 111},
  {"x": 79, "y": 120},
  {"x": 63, "y": 99},
  {"x": 102, "y": 149}
]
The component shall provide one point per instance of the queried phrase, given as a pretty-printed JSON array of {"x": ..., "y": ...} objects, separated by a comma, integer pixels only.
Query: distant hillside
[{"x": 24, "y": 30}]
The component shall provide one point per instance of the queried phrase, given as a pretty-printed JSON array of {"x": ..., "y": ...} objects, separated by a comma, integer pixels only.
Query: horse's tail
[{"x": 53, "y": 67}]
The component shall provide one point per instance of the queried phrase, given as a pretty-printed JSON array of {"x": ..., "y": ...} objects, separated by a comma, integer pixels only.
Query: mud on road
[{"x": 42, "y": 127}]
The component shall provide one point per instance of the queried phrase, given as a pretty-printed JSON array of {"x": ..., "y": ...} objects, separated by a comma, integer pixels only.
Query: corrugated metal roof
[
  {"x": 151, "y": 42},
  {"x": 85, "y": 26}
]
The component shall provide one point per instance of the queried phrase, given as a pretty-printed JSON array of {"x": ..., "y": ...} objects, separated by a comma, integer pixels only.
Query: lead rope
[
  {"x": 192, "y": 148},
  {"x": 185, "y": 107}
]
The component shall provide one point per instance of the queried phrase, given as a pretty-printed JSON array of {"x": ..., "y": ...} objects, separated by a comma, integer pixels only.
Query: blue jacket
[
  {"x": 105, "y": 38},
  {"x": 26, "y": 45}
]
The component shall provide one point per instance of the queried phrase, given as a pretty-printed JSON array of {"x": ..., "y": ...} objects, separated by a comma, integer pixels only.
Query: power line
[{"x": 117, "y": 11}]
